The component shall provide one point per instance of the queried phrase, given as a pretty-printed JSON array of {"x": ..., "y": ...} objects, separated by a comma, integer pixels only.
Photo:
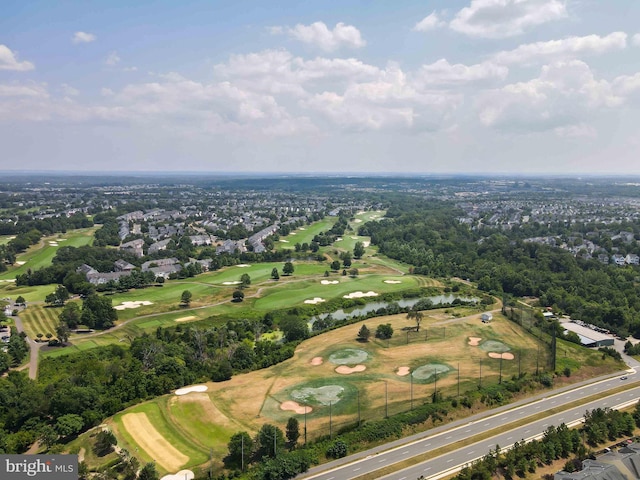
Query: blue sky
[{"x": 473, "y": 86}]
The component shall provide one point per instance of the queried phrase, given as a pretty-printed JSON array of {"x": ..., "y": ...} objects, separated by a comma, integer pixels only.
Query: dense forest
[{"x": 428, "y": 235}]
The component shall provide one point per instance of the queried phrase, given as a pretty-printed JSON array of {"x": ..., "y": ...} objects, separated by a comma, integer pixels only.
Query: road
[
  {"x": 478, "y": 424},
  {"x": 34, "y": 350}
]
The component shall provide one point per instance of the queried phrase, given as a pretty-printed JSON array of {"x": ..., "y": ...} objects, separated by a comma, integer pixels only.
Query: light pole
[
  {"x": 330, "y": 422},
  {"x": 358, "y": 390},
  {"x": 480, "y": 384},
  {"x": 386, "y": 400},
  {"x": 305, "y": 424},
  {"x": 411, "y": 379},
  {"x": 458, "y": 379},
  {"x": 435, "y": 385}
]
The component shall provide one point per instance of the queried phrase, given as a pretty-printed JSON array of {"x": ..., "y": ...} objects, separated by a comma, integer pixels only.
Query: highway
[{"x": 445, "y": 464}]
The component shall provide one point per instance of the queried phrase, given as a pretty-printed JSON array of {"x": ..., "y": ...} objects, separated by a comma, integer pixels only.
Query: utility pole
[
  {"x": 330, "y": 422},
  {"x": 358, "y": 390},
  {"x": 500, "y": 378},
  {"x": 480, "y": 385},
  {"x": 386, "y": 400},
  {"x": 411, "y": 379},
  {"x": 242, "y": 453},
  {"x": 458, "y": 379},
  {"x": 305, "y": 425},
  {"x": 435, "y": 385}
]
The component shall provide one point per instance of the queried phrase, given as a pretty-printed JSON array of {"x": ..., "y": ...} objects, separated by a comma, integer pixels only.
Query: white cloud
[
  {"x": 636, "y": 40},
  {"x": 443, "y": 73},
  {"x": 319, "y": 35},
  {"x": 83, "y": 37},
  {"x": 564, "y": 94},
  {"x": 112, "y": 59},
  {"x": 430, "y": 22},
  {"x": 561, "y": 49},
  {"x": 29, "y": 90},
  {"x": 68, "y": 90},
  {"x": 9, "y": 61},
  {"x": 580, "y": 130},
  {"x": 506, "y": 18}
]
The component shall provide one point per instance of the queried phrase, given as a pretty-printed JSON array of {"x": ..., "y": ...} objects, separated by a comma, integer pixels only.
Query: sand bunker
[
  {"x": 366, "y": 244},
  {"x": 360, "y": 294},
  {"x": 20, "y": 263},
  {"x": 354, "y": 238},
  {"x": 357, "y": 220},
  {"x": 392, "y": 281},
  {"x": 185, "y": 319},
  {"x": 504, "y": 356},
  {"x": 53, "y": 244},
  {"x": 192, "y": 388},
  {"x": 302, "y": 228},
  {"x": 292, "y": 233},
  {"x": 284, "y": 241},
  {"x": 329, "y": 282},
  {"x": 237, "y": 282},
  {"x": 136, "y": 304},
  {"x": 346, "y": 370},
  {"x": 316, "y": 361},
  {"x": 151, "y": 441},
  {"x": 403, "y": 371},
  {"x": 339, "y": 239},
  {"x": 315, "y": 300},
  {"x": 181, "y": 475},
  {"x": 474, "y": 341},
  {"x": 243, "y": 265},
  {"x": 295, "y": 407}
]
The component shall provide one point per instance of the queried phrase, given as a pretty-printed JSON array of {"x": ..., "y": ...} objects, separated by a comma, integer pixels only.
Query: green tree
[
  {"x": 20, "y": 300},
  {"x": 288, "y": 268},
  {"x": 384, "y": 331},
  {"x": 335, "y": 265},
  {"x": 57, "y": 298},
  {"x": 292, "y": 432},
  {"x": 294, "y": 328},
  {"x": 270, "y": 441},
  {"x": 353, "y": 272},
  {"x": 62, "y": 332},
  {"x": 346, "y": 259},
  {"x": 417, "y": 316},
  {"x": 185, "y": 299},
  {"x": 70, "y": 316},
  {"x": 245, "y": 280},
  {"x": 97, "y": 312},
  {"x": 240, "y": 448},
  {"x": 358, "y": 250},
  {"x": 149, "y": 472},
  {"x": 274, "y": 274},
  {"x": 5, "y": 362},
  {"x": 364, "y": 334},
  {"x": 48, "y": 436},
  {"x": 69, "y": 424},
  {"x": 105, "y": 440},
  {"x": 238, "y": 296}
]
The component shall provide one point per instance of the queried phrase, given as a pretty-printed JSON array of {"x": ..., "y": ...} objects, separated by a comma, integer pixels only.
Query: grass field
[
  {"x": 4, "y": 239},
  {"x": 247, "y": 401},
  {"x": 39, "y": 319},
  {"x": 40, "y": 255},
  {"x": 305, "y": 234}
]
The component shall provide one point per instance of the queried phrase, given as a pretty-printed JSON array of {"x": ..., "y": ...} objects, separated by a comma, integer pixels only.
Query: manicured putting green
[
  {"x": 328, "y": 394},
  {"x": 429, "y": 371},
  {"x": 348, "y": 356},
  {"x": 494, "y": 346}
]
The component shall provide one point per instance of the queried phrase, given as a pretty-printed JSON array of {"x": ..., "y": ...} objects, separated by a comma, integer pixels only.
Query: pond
[{"x": 404, "y": 303}]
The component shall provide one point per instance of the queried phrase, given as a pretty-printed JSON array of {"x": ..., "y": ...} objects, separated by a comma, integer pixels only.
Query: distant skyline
[{"x": 324, "y": 86}]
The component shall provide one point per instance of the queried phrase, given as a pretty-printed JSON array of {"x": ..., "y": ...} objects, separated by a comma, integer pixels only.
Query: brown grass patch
[
  {"x": 186, "y": 319},
  {"x": 346, "y": 370},
  {"x": 150, "y": 440},
  {"x": 295, "y": 407},
  {"x": 212, "y": 413}
]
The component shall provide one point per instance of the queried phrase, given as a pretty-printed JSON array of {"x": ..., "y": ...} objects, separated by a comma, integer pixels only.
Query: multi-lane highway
[{"x": 480, "y": 424}]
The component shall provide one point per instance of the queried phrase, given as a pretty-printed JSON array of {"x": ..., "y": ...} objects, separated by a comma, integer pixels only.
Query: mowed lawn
[
  {"x": 36, "y": 293},
  {"x": 4, "y": 239},
  {"x": 40, "y": 319},
  {"x": 40, "y": 255},
  {"x": 305, "y": 234}
]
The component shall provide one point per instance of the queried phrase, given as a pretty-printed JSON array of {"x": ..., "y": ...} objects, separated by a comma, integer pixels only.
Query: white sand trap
[
  {"x": 365, "y": 244},
  {"x": 153, "y": 442},
  {"x": 9, "y": 280},
  {"x": 315, "y": 300},
  {"x": 284, "y": 241},
  {"x": 315, "y": 361},
  {"x": 354, "y": 238},
  {"x": 185, "y": 319},
  {"x": 20, "y": 263},
  {"x": 53, "y": 244},
  {"x": 293, "y": 233},
  {"x": 61, "y": 240},
  {"x": 474, "y": 341},
  {"x": 237, "y": 282},
  {"x": 295, "y": 407},
  {"x": 346, "y": 370},
  {"x": 181, "y": 475},
  {"x": 505, "y": 356},
  {"x": 392, "y": 281},
  {"x": 357, "y": 220},
  {"x": 125, "y": 305},
  {"x": 402, "y": 371},
  {"x": 361, "y": 294},
  {"x": 192, "y": 388},
  {"x": 302, "y": 228},
  {"x": 339, "y": 239},
  {"x": 243, "y": 265},
  {"x": 329, "y": 282}
]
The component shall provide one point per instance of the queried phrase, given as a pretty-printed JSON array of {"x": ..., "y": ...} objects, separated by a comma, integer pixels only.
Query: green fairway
[
  {"x": 40, "y": 255},
  {"x": 39, "y": 319},
  {"x": 36, "y": 293},
  {"x": 305, "y": 234},
  {"x": 4, "y": 239}
]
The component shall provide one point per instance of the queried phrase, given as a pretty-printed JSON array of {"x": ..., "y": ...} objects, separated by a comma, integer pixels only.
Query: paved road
[
  {"x": 375, "y": 459},
  {"x": 33, "y": 346}
]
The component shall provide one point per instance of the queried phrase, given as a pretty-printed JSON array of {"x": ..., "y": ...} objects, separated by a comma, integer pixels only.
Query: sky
[{"x": 321, "y": 86}]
